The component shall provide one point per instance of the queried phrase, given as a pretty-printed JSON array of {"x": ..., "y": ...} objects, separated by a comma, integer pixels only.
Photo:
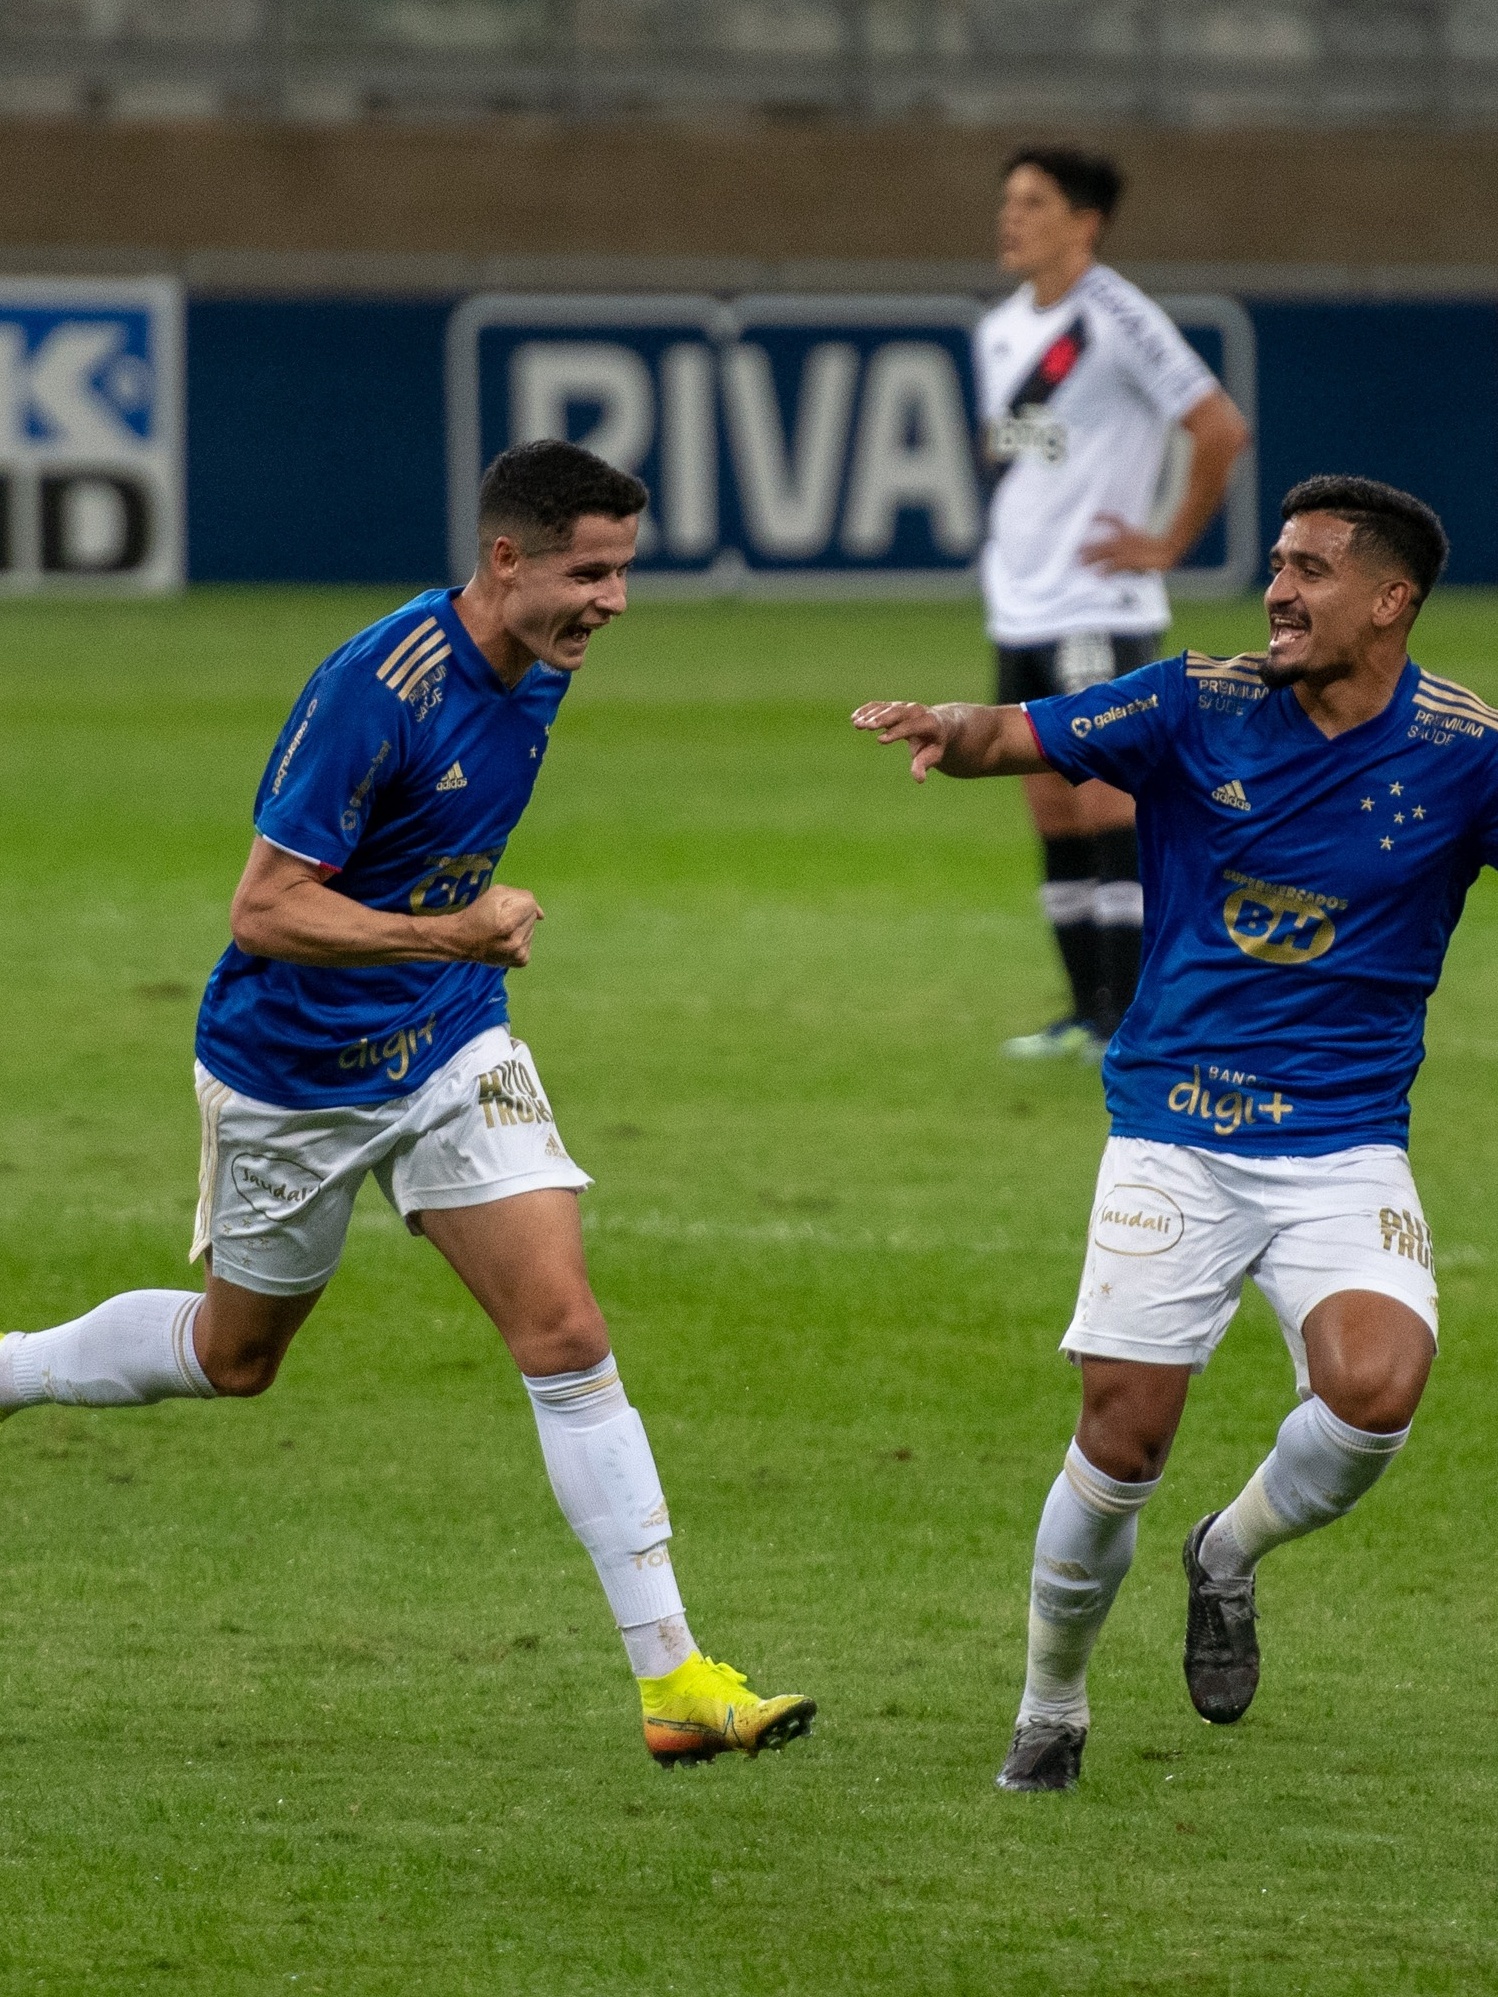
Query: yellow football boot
[{"x": 701, "y": 1709}]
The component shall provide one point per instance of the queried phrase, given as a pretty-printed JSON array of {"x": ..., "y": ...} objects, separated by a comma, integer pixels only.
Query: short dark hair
[
  {"x": 1385, "y": 520},
  {"x": 540, "y": 491},
  {"x": 1088, "y": 180}
]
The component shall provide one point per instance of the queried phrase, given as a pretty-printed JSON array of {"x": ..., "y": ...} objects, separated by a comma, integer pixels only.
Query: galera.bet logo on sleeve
[{"x": 91, "y": 396}]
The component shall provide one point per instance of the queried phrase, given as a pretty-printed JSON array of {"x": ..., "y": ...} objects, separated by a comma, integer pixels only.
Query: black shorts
[{"x": 1067, "y": 665}]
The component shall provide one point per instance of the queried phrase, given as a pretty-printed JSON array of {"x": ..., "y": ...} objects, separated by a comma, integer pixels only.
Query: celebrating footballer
[
  {"x": 358, "y": 1024},
  {"x": 1310, "y": 820}
]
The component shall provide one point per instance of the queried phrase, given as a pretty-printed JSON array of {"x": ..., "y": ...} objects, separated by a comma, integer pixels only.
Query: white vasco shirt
[{"x": 1077, "y": 403}]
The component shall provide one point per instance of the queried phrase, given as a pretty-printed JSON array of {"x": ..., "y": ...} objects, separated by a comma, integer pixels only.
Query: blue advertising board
[
  {"x": 90, "y": 434},
  {"x": 791, "y": 444},
  {"x": 317, "y": 445}
]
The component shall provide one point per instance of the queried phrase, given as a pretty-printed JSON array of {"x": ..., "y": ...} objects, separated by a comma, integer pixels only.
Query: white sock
[
  {"x": 1082, "y": 1553},
  {"x": 604, "y": 1477},
  {"x": 1318, "y": 1469},
  {"x": 129, "y": 1351}
]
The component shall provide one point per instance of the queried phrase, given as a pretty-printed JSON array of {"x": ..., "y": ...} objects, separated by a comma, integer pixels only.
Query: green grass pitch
[{"x": 316, "y": 1693}]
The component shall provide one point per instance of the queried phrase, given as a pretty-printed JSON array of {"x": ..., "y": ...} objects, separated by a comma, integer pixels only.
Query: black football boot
[{"x": 1222, "y": 1649}]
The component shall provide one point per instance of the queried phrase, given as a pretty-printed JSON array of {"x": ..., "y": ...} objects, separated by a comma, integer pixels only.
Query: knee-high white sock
[
  {"x": 604, "y": 1476},
  {"x": 1318, "y": 1469},
  {"x": 131, "y": 1350},
  {"x": 1082, "y": 1553}
]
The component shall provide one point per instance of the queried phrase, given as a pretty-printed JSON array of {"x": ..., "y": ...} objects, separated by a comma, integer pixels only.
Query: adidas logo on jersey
[
  {"x": 454, "y": 780},
  {"x": 553, "y": 1149},
  {"x": 1231, "y": 793}
]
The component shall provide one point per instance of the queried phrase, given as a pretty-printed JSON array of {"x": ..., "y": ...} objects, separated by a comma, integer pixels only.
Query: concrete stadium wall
[{"x": 93, "y": 194}]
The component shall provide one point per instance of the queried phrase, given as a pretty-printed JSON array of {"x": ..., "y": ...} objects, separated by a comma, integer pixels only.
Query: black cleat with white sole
[
  {"x": 1044, "y": 1754},
  {"x": 1222, "y": 1648}
]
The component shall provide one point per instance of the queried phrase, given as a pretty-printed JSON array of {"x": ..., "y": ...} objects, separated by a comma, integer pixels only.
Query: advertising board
[
  {"x": 791, "y": 444},
  {"x": 91, "y": 398}
]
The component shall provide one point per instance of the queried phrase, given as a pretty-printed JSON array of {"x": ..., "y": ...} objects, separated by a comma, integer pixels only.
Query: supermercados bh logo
[
  {"x": 788, "y": 442},
  {"x": 90, "y": 433}
]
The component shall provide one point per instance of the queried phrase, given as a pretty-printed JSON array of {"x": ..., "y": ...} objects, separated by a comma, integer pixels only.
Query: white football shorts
[
  {"x": 1175, "y": 1230},
  {"x": 276, "y": 1187}
]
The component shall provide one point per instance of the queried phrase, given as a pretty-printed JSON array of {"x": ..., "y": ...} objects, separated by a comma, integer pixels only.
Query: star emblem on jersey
[
  {"x": 454, "y": 780},
  {"x": 1397, "y": 818},
  {"x": 1233, "y": 793}
]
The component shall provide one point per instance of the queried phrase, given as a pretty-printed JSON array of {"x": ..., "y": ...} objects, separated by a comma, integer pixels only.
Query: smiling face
[
  {"x": 1329, "y": 603},
  {"x": 554, "y": 599},
  {"x": 1038, "y": 226}
]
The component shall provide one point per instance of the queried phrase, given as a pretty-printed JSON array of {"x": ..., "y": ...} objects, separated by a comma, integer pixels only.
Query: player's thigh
[
  {"x": 1351, "y": 1225},
  {"x": 276, "y": 1187},
  {"x": 1168, "y": 1247},
  {"x": 482, "y": 1171},
  {"x": 522, "y": 1259}
]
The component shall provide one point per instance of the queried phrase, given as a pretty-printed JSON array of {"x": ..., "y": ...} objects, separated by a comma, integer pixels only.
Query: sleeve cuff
[{"x": 311, "y": 859}]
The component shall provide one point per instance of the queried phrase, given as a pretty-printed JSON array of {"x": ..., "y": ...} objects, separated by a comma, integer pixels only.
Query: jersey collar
[
  {"x": 1388, "y": 716},
  {"x": 475, "y": 665}
]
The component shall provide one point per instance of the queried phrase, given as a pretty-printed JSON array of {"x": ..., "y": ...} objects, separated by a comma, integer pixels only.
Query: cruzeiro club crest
[{"x": 1278, "y": 925}]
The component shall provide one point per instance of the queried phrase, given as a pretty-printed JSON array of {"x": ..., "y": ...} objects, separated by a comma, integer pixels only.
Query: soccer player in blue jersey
[
  {"x": 358, "y": 1024},
  {"x": 1310, "y": 821}
]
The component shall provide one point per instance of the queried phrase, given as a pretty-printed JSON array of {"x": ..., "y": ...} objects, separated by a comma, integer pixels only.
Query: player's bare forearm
[
  {"x": 283, "y": 909},
  {"x": 958, "y": 738},
  {"x": 1218, "y": 434}
]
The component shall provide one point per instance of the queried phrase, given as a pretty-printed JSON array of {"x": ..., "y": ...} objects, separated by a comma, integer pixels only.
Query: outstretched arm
[
  {"x": 283, "y": 909},
  {"x": 957, "y": 738}
]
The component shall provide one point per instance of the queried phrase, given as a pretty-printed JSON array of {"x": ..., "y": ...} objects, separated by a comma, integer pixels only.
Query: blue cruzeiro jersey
[
  {"x": 1299, "y": 895},
  {"x": 405, "y": 764}
]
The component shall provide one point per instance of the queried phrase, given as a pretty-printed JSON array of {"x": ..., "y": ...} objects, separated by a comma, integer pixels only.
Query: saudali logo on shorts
[
  {"x": 1278, "y": 925},
  {"x": 1137, "y": 1220},
  {"x": 274, "y": 1187}
]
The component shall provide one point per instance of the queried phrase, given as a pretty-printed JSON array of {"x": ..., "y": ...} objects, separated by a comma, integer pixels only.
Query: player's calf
[
  {"x": 1083, "y": 1550},
  {"x": 241, "y": 1336}
]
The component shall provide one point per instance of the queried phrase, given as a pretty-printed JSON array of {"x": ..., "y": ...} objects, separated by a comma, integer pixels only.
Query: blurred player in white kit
[{"x": 1080, "y": 381}]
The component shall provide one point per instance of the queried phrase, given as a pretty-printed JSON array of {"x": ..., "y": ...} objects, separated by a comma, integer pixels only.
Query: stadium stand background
[
  {"x": 329, "y": 176},
  {"x": 1340, "y": 133}
]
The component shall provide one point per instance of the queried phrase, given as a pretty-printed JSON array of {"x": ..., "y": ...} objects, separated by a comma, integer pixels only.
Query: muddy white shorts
[
  {"x": 276, "y": 1186},
  {"x": 1175, "y": 1231}
]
